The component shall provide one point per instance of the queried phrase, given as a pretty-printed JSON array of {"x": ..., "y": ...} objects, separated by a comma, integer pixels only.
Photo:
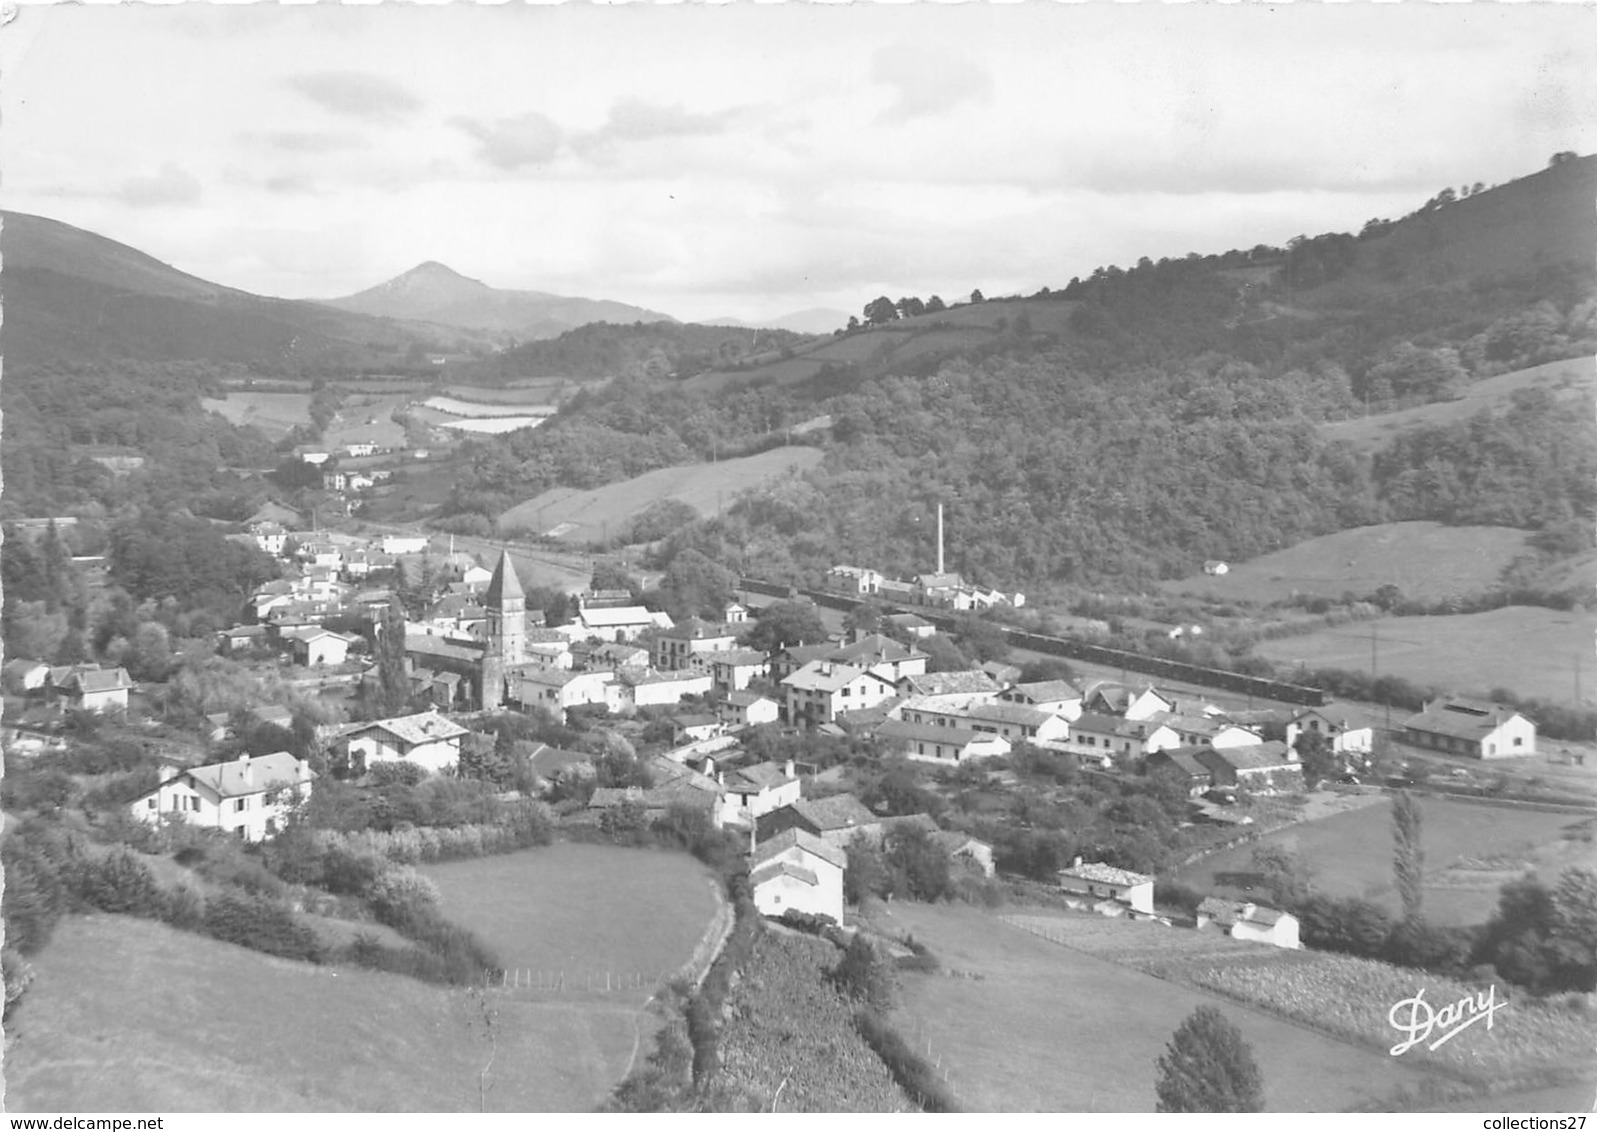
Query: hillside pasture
[
  {"x": 583, "y": 909},
  {"x": 1350, "y": 854},
  {"x": 535, "y": 391},
  {"x": 1036, "y": 1027},
  {"x": 1530, "y": 650},
  {"x": 128, "y": 1015},
  {"x": 460, "y": 408},
  {"x": 1425, "y": 560},
  {"x": 275, "y": 414},
  {"x": 1569, "y": 380},
  {"x": 367, "y": 418},
  {"x": 586, "y": 516}
]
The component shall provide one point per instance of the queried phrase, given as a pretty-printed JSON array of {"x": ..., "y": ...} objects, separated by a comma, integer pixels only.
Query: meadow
[
  {"x": 584, "y": 910},
  {"x": 275, "y": 414},
  {"x": 1425, "y": 560},
  {"x": 1350, "y": 854},
  {"x": 1531, "y": 650},
  {"x": 588, "y": 516},
  {"x": 486, "y": 408},
  {"x": 1036, "y": 1027},
  {"x": 1567, "y": 379},
  {"x": 1350, "y": 998},
  {"x": 129, "y": 1015}
]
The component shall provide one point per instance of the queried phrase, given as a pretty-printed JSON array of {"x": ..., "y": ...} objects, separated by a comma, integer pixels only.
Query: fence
[{"x": 591, "y": 982}]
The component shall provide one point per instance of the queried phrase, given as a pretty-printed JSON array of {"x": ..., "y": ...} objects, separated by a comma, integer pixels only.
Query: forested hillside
[{"x": 639, "y": 349}]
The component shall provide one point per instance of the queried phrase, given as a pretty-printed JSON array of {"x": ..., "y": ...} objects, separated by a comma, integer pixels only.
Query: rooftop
[
  {"x": 423, "y": 727},
  {"x": 1098, "y": 873},
  {"x": 798, "y": 838},
  {"x": 234, "y": 778}
]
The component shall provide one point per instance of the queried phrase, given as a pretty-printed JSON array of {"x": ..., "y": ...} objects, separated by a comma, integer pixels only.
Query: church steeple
[{"x": 507, "y": 613}]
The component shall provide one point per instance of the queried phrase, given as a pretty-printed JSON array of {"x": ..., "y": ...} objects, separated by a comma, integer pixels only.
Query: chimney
[
  {"x": 720, "y": 778},
  {"x": 709, "y": 769},
  {"x": 244, "y": 769},
  {"x": 787, "y": 769},
  {"x": 1077, "y": 865},
  {"x": 303, "y": 770}
]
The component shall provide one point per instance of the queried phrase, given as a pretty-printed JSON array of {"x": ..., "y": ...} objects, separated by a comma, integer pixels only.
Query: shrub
[
  {"x": 261, "y": 924},
  {"x": 399, "y": 889},
  {"x": 908, "y": 1068},
  {"x": 120, "y": 882},
  {"x": 389, "y": 773},
  {"x": 864, "y": 973},
  {"x": 185, "y": 909}
]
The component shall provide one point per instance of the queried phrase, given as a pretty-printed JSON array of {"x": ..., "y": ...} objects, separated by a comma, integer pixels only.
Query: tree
[
  {"x": 786, "y": 623},
  {"x": 866, "y": 874},
  {"x": 393, "y": 682},
  {"x": 1208, "y": 1067},
  {"x": 863, "y": 618},
  {"x": 1408, "y": 858},
  {"x": 880, "y": 311},
  {"x": 977, "y": 297},
  {"x": 1284, "y": 872},
  {"x": 866, "y": 974},
  {"x": 922, "y": 864},
  {"x": 935, "y": 304},
  {"x": 1314, "y": 751}
]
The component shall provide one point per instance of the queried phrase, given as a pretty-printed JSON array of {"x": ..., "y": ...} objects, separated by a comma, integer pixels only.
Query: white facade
[
  {"x": 428, "y": 740},
  {"x": 404, "y": 544},
  {"x": 797, "y": 870},
  {"x": 250, "y": 798}
]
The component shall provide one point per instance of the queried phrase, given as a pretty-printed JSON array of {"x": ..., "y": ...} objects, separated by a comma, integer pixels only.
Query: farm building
[
  {"x": 821, "y": 689},
  {"x": 749, "y": 709},
  {"x": 426, "y": 740},
  {"x": 1050, "y": 695},
  {"x": 1108, "y": 890},
  {"x": 25, "y": 677},
  {"x": 644, "y": 687},
  {"x": 1480, "y": 729},
  {"x": 797, "y": 870},
  {"x": 92, "y": 688},
  {"x": 1262, "y": 766},
  {"x": 315, "y": 647},
  {"x": 249, "y": 797},
  {"x": 735, "y": 669},
  {"x": 963, "y": 849},
  {"x": 1346, "y": 735},
  {"x": 1184, "y": 763},
  {"x": 928, "y": 742},
  {"x": 836, "y": 820},
  {"x": 677, "y": 646},
  {"x": 1250, "y": 921},
  {"x": 854, "y": 580},
  {"x": 751, "y": 791}
]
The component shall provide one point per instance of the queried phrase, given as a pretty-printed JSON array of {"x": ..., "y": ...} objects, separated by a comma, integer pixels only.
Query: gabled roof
[
  {"x": 1229, "y": 912},
  {"x": 1099, "y": 724},
  {"x": 1461, "y": 718},
  {"x": 790, "y": 838},
  {"x": 100, "y": 680},
  {"x": 757, "y": 778},
  {"x": 1183, "y": 760},
  {"x": 824, "y": 676},
  {"x": 697, "y": 629},
  {"x": 266, "y": 772},
  {"x": 800, "y": 655},
  {"x": 931, "y": 733},
  {"x": 617, "y": 617},
  {"x": 737, "y": 657},
  {"x": 876, "y": 649},
  {"x": 746, "y": 699},
  {"x": 423, "y": 727},
  {"x": 783, "y": 868},
  {"x": 842, "y": 811},
  {"x": 942, "y": 683},
  {"x": 1098, "y": 873},
  {"x": 1046, "y": 691},
  {"x": 1018, "y": 714},
  {"x": 1257, "y": 756},
  {"x": 695, "y": 719}
]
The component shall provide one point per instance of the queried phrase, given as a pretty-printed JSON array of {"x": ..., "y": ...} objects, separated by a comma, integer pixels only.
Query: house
[
  {"x": 1183, "y": 763},
  {"x": 1005, "y": 674},
  {"x": 798, "y": 871},
  {"x": 623, "y": 623},
  {"x": 1265, "y": 767},
  {"x": 911, "y": 625},
  {"x": 854, "y": 580},
  {"x": 964, "y": 849},
  {"x": 1346, "y": 735},
  {"x": 1479, "y": 729},
  {"x": 1107, "y": 889},
  {"x": 750, "y": 791},
  {"x": 556, "y": 690},
  {"x": 749, "y": 709},
  {"x": 1021, "y": 724},
  {"x": 836, "y": 820},
  {"x": 883, "y": 656},
  {"x": 25, "y": 677},
  {"x": 677, "y": 645},
  {"x": 821, "y": 689},
  {"x": 243, "y": 638},
  {"x": 1105, "y": 739},
  {"x": 789, "y": 659},
  {"x": 1250, "y": 921},
  {"x": 1209, "y": 731},
  {"x": 318, "y": 647},
  {"x": 947, "y": 745},
  {"x": 551, "y": 764},
  {"x": 270, "y": 537},
  {"x": 1129, "y": 703},
  {"x": 1059, "y": 696},
  {"x": 426, "y": 739},
  {"x": 694, "y": 726},
  {"x": 734, "y": 669},
  {"x": 674, "y": 785},
  {"x": 644, "y": 687},
  {"x": 475, "y": 577},
  {"x": 249, "y": 797},
  {"x": 1215, "y": 567},
  {"x": 96, "y": 689},
  {"x": 612, "y": 655},
  {"x": 361, "y": 448}
]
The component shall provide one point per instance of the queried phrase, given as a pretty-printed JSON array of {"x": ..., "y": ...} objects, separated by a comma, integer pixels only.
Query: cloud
[
  {"x": 928, "y": 81},
  {"x": 296, "y": 141},
  {"x": 356, "y": 94},
  {"x": 171, "y": 185},
  {"x": 635, "y": 120},
  {"x": 510, "y": 143}
]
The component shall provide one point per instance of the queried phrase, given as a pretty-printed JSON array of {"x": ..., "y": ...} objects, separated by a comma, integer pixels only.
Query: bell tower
[{"x": 506, "y": 631}]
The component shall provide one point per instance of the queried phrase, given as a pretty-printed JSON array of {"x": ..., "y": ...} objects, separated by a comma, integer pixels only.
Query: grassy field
[
  {"x": 127, "y": 1015},
  {"x": 587, "y": 515},
  {"x": 536, "y": 391},
  {"x": 1044, "y": 1028},
  {"x": 1424, "y": 560},
  {"x": 1530, "y": 650},
  {"x": 485, "y": 408},
  {"x": 1569, "y": 379},
  {"x": 583, "y": 909},
  {"x": 1351, "y": 854},
  {"x": 1528, "y": 1045},
  {"x": 275, "y": 414},
  {"x": 368, "y": 418}
]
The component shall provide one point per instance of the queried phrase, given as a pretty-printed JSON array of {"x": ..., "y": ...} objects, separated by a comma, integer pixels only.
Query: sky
[{"x": 748, "y": 160}]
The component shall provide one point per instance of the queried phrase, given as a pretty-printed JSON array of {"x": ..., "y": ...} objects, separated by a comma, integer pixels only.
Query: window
[
  {"x": 151, "y": 804},
  {"x": 1519, "y": 740},
  {"x": 240, "y": 805}
]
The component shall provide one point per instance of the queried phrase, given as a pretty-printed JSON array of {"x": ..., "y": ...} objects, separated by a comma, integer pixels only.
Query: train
[{"x": 1165, "y": 668}]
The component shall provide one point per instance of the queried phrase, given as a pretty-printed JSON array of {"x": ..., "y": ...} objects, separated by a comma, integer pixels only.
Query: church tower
[{"x": 506, "y": 631}]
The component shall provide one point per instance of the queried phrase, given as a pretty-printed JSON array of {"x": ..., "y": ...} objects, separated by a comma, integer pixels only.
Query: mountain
[
  {"x": 813, "y": 320},
  {"x": 74, "y": 297},
  {"x": 432, "y": 292}
]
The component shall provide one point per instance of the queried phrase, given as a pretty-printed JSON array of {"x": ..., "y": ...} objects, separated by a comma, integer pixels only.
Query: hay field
[{"x": 275, "y": 414}]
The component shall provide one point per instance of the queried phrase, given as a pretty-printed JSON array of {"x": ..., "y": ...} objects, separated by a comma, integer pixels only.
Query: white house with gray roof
[
  {"x": 248, "y": 797},
  {"x": 425, "y": 739},
  {"x": 1107, "y": 889},
  {"x": 797, "y": 870}
]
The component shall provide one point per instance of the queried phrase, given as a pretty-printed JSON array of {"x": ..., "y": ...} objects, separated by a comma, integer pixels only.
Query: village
[{"x": 697, "y": 705}]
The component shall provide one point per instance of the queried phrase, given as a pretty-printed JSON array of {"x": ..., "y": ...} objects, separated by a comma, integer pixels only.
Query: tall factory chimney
[{"x": 939, "y": 538}]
